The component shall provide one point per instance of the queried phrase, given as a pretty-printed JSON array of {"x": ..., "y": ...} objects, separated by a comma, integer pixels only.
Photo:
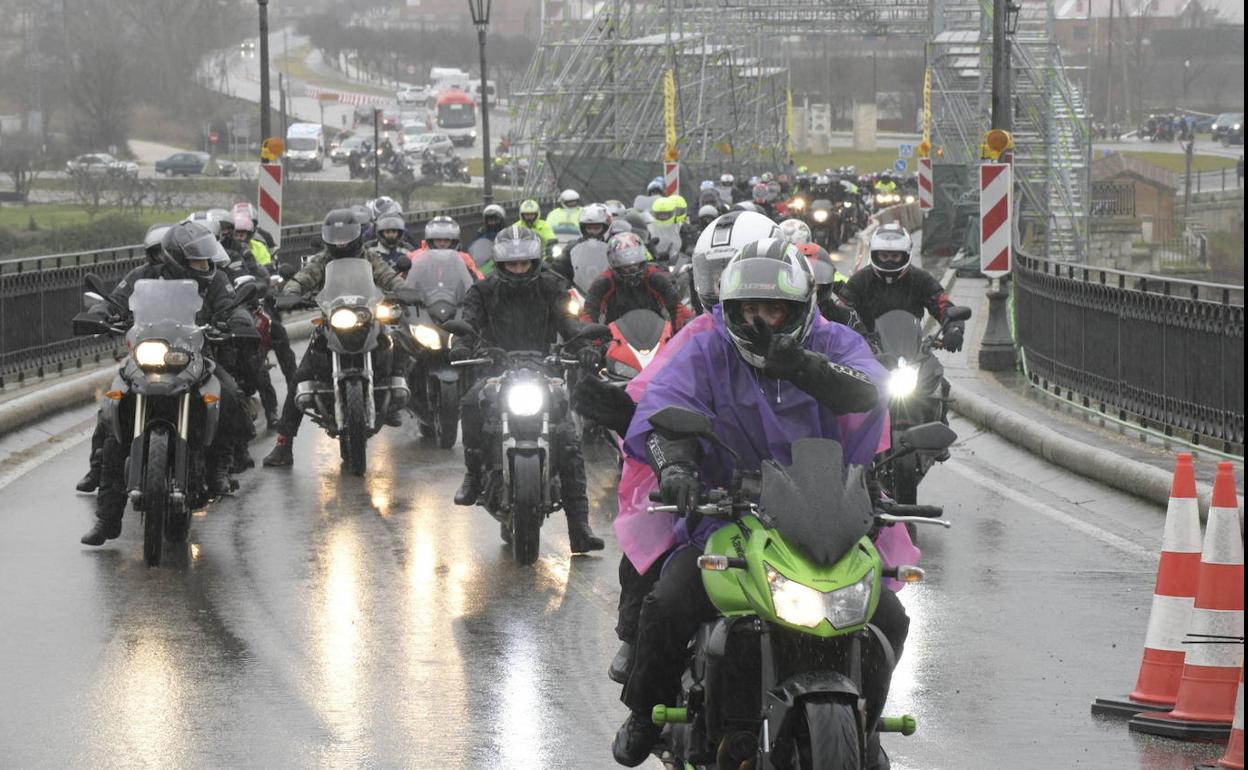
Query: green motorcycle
[{"x": 776, "y": 682}]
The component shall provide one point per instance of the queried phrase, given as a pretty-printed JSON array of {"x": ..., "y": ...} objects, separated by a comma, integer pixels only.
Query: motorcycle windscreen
[
  {"x": 642, "y": 328},
  {"x": 348, "y": 283},
  {"x": 668, "y": 236},
  {"x": 819, "y": 505},
  {"x": 442, "y": 279},
  {"x": 165, "y": 310},
  {"x": 589, "y": 260},
  {"x": 900, "y": 333},
  {"x": 482, "y": 253}
]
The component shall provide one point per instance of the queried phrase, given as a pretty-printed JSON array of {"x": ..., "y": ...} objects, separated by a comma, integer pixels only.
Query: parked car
[
  {"x": 1227, "y": 121},
  {"x": 101, "y": 164},
  {"x": 341, "y": 151},
  {"x": 191, "y": 163}
]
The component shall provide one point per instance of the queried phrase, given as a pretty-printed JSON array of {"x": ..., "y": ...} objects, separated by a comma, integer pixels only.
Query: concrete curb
[{"x": 42, "y": 403}]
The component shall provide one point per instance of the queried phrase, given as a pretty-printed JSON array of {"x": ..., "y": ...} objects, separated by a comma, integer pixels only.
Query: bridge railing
[
  {"x": 1164, "y": 353},
  {"x": 39, "y": 296}
]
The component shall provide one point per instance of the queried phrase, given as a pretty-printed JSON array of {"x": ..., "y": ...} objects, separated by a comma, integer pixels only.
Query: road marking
[
  {"x": 41, "y": 453},
  {"x": 1048, "y": 511}
]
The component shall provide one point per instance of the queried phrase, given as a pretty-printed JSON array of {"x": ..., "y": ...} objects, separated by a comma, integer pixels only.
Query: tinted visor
[
  {"x": 340, "y": 233},
  {"x": 204, "y": 247}
]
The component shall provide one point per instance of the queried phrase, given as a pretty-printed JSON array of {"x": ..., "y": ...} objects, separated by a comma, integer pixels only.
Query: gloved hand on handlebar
[
  {"x": 680, "y": 486},
  {"x": 590, "y": 358},
  {"x": 459, "y": 353},
  {"x": 952, "y": 336}
]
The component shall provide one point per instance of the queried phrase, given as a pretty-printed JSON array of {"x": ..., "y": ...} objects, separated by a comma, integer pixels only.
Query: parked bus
[{"x": 455, "y": 114}]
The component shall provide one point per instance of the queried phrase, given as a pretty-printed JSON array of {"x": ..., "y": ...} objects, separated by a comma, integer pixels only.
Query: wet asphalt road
[{"x": 319, "y": 620}]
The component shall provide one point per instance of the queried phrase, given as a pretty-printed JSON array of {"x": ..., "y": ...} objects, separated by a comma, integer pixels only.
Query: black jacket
[
  {"x": 610, "y": 298},
  {"x": 914, "y": 292},
  {"x": 218, "y": 295},
  {"x": 519, "y": 316}
]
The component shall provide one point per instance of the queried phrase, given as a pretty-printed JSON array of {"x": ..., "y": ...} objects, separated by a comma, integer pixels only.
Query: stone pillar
[{"x": 864, "y": 127}]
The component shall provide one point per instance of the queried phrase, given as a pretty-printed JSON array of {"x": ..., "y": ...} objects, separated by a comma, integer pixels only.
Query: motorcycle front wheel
[
  {"x": 827, "y": 738},
  {"x": 354, "y": 436},
  {"x": 526, "y": 519},
  {"x": 155, "y": 496},
  {"x": 447, "y": 414}
]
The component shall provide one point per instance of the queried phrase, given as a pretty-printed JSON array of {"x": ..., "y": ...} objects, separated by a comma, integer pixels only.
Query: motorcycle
[
  {"x": 636, "y": 339},
  {"x": 589, "y": 260},
  {"x": 168, "y": 390},
  {"x": 664, "y": 242},
  {"x": 523, "y": 407},
  {"x": 355, "y": 317},
  {"x": 440, "y": 280},
  {"x": 780, "y": 679},
  {"x": 917, "y": 397},
  {"x": 825, "y": 224}
]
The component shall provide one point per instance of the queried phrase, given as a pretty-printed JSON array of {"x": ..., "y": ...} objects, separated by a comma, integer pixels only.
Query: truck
[
  {"x": 446, "y": 78},
  {"x": 305, "y": 146}
]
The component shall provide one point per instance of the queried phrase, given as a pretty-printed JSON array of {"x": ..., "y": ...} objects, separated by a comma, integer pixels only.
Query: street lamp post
[
  {"x": 265, "y": 128},
  {"x": 480, "y": 10}
]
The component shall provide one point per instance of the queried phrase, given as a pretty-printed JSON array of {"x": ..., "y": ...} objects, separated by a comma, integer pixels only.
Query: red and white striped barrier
[
  {"x": 996, "y": 205},
  {"x": 926, "y": 198},
  {"x": 671, "y": 178},
  {"x": 1157, "y": 686},
  {"x": 342, "y": 97},
  {"x": 1205, "y": 707},
  {"x": 269, "y": 195}
]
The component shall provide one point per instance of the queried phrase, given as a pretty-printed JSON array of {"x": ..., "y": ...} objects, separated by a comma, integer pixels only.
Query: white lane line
[
  {"x": 42, "y": 453},
  {"x": 1048, "y": 511}
]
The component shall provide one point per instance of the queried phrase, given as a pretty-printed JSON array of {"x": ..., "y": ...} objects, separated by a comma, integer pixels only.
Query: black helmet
[
  {"x": 342, "y": 234},
  {"x": 517, "y": 244},
  {"x": 189, "y": 250},
  {"x": 770, "y": 270}
]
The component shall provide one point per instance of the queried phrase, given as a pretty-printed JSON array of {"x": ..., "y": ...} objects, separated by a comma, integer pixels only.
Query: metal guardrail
[
  {"x": 39, "y": 296},
  {"x": 1167, "y": 354}
]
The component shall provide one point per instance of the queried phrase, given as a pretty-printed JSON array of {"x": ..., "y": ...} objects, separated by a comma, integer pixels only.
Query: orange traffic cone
[
  {"x": 1157, "y": 686},
  {"x": 1205, "y": 706}
]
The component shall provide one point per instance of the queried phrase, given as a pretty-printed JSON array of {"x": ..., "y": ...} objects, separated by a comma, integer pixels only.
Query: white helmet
[
  {"x": 719, "y": 242},
  {"x": 569, "y": 198},
  {"x": 795, "y": 231},
  {"x": 890, "y": 251},
  {"x": 595, "y": 214},
  {"x": 442, "y": 228}
]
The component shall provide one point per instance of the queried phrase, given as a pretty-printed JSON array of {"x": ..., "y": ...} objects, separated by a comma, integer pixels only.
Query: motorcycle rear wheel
[
  {"x": 155, "y": 496},
  {"x": 526, "y": 520},
  {"x": 354, "y": 436}
]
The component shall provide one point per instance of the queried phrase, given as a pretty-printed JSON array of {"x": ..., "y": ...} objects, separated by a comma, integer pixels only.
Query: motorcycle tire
[
  {"x": 354, "y": 437},
  {"x": 447, "y": 417},
  {"x": 155, "y": 495},
  {"x": 827, "y": 738},
  {"x": 526, "y": 519}
]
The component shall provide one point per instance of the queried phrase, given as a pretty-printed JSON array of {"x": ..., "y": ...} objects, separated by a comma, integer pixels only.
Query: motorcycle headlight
[
  {"x": 798, "y": 204},
  {"x": 574, "y": 305},
  {"x": 525, "y": 399},
  {"x": 903, "y": 380},
  {"x": 556, "y": 250},
  {"x": 821, "y": 216},
  {"x": 847, "y": 205},
  {"x": 427, "y": 336},
  {"x": 802, "y": 605},
  {"x": 910, "y": 199},
  {"x": 150, "y": 354},
  {"x": 388, "y": 312},
  {"x": 344, "y": 318}
]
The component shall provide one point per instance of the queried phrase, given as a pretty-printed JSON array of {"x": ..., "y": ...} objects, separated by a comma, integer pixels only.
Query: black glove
[
  {"x": 680, "y": 487},
  {"x": 590, "y": 357},
  {"x": 460, "y": 353},
  {"x": 952, "y": 337},
  {"x": 783, "y": 355},
  {"x": 606, "y": 405}
]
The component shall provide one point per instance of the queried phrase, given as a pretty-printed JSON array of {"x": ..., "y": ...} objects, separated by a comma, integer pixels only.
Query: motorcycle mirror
[
  {"x": 957, "y": 313},
  {"x": 243, "y": 280},
  {"x": 931, "y": 436},
  {"x": 287, "y": 270},
  {"x": 594, "y": 331},
  {"x": 85, "y": 327},
  {"x": 402, "y": 265},
  {"x": 245, "y": 293},
  {"x": 92, "y": 297},
  {"x": 95, "y": 284},
  {"x": 677, "y": 421},
  {"x": 462, "y": 328}
]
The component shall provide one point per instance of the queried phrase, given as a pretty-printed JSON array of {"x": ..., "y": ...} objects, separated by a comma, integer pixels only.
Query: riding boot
[
  {"x": 241, "y": 459},
  {"x": 105, "y": 528},
  {"x": 219, "y": 476},
  {"x": 91, "y": 481},
  {"x": 470, "y": 489},
  {"x": 282, "y": 454},
  {"x": 621, "y": 664},
  {"x": 580, "y": 537}
]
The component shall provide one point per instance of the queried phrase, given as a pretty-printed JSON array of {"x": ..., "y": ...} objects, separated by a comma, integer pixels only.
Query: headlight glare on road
[
  {"x": 525, "y": 399},
  {"x": 150, "y": 354},
  {"x": 427, "y": 336},
  {"x": 344, "y": 318},
  {"x": 795, "y": 603},
  {"x": 903, "y": 380}
]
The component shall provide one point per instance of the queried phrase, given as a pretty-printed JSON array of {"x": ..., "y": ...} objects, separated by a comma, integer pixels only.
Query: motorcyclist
[
  {"x": 187, "y": 252},
  {"x": 531, "y": 219},
  {"x": 245, "y": 231},
  {"x": 568, "y": 213},
  {"x": 719, "y": 242},
  {"x": 827, "y": 278},
  {"x": 726, "y": 188},
  {"x": 706, "y": 215},
  {"x": 631, "y": 283},
  {"x": 654, "y": 191},
  {"x": 248, "y": 209},
  {"x": 772, "y": 372},
  {"x": 521, "y": 306},
  {"x": 594, "y": 222},
  {"x": 442, "y": 232},
  {"x": 493, "y": 220},
  {"x": 680, "y": 208},
  {"x": 89, "y": 482},
  {"x": 344, "y": 239},
  {"x": 892, "y": 283},
  {"x": 390, "y": 244}
]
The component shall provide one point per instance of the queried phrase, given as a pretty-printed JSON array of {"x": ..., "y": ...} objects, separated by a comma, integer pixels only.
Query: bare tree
[{"x": 20, "y": 158}]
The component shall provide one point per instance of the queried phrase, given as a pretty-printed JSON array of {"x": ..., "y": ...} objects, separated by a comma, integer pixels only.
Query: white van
[{"x": 305, "y": 146}]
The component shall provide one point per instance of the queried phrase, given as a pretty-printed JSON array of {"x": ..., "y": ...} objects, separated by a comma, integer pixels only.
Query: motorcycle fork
[{"x": 370, "y": 410}]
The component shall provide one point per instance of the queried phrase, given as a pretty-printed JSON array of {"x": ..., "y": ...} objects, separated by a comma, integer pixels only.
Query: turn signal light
[
  {"x": 210, "y": 399},
  {"x": 113, "y": 394}
]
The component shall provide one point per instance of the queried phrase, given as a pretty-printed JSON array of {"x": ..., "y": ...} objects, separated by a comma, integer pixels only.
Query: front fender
[{"x": 784, "y": 701}]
